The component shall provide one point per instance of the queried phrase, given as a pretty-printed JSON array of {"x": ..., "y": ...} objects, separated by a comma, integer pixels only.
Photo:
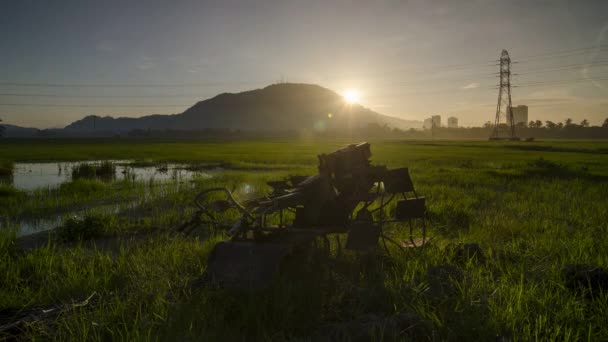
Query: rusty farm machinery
[{"x": 347, "y": 196}]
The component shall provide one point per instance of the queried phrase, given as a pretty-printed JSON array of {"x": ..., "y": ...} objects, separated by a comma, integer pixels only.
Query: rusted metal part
[{"x": 348, "y": 195}]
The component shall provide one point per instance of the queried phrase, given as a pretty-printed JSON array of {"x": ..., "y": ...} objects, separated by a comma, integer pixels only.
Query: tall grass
[
  {"x": 530, "y": 216},
  {"x": 105, "y": 170},
  {"x": 6, "y": 169},
  {"x": 8, "y": 190}
]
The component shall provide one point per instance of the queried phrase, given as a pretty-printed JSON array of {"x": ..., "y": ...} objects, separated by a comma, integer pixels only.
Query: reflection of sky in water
[
  {"x": 31, "y": 226},
  {"x": 29, "y": 176}
]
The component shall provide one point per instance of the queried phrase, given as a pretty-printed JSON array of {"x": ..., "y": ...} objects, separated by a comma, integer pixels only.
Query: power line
[
  {"x": 565, "y": 67},
  {"x": 98, "y": 96},
  {"x": 452, "y": 67},
  {"x": 562, "y": 81},
  {"x": 575, "y": 51},
  {"x": 438, "y": 79},
  {"x": 90, "y": 106},
  {"x": 420, "y": 80},
  {"x": 442, "y": 91},
  {"x": 135, "y": 85},
  {"x": 524, "y": 72}
]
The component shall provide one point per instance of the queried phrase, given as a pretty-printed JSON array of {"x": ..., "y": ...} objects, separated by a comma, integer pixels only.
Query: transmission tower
[{"x": 504, "y": 130}]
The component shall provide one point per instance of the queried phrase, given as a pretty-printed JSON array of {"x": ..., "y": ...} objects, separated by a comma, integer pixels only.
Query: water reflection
[{"x": 30, "y": 176}]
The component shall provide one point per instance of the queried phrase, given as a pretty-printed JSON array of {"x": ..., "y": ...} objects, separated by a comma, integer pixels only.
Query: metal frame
[{"x": 335, "y": 201}]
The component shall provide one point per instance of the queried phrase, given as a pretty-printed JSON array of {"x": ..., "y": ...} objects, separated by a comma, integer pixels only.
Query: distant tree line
[
  {"x": 566, "y": 129},
  {"x": 534, "y": 129},
  {"x": 1, "y": 129}
]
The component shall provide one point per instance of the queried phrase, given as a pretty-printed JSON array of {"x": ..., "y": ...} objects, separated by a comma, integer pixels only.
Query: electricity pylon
[{"x": 504, "y": 110}]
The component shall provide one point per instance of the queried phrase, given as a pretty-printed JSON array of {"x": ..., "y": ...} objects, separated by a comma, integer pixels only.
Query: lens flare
[{"x": 351, "y": 96}]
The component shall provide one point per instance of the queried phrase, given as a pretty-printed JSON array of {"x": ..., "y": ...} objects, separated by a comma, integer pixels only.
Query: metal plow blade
[{"x": 244, "y": 264}]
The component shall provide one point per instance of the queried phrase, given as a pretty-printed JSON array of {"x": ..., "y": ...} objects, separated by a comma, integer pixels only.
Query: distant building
[
  {"x": 520, "y": 114},
  {"x": 452, "y": 122},
  {"x": 428, "y": 123},
  {"x": 436, "y": 120}
]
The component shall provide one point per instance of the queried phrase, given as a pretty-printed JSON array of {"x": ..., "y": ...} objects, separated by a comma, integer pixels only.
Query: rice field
[{"x": 531, "y": 210}]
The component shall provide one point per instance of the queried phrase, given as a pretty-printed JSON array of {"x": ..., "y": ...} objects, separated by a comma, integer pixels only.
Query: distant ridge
[
  {"x": 277, "y": 107},
  {"x": 11, "y": 131}
]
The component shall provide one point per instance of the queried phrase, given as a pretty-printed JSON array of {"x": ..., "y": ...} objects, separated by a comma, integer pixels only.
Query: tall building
[
  {"x": 520, "y": 114},
  {"x": 436, "y": 120},
  {"x": 452, "y": 122},
  {"x": 428, "y": 123}
]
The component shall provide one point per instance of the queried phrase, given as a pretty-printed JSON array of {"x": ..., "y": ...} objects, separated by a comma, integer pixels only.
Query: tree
[
  {"x": 550, "y": 124},
  {"x": 605, "y": 123},
  {"x": 560, "y": 125},
  {"x": 532, "y": 124},
  {"x": 585, "y": 123},
  {"x": 2, "y": 128},
  {"x": 539, "y": 124},
  {"x": 568, "y": 122}
]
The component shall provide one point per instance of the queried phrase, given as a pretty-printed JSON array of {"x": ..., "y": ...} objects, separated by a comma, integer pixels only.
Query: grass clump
[
  {"x": 8, "y": 190},
  {"x": 548, "y": 168},
  {"x": 6, "y": 169},
  {"x": 90, "y": 227},
  {"x": 105, "y": 170},
  {"x": 81, "y": 186},
  {"x": 8, "y": 236}
]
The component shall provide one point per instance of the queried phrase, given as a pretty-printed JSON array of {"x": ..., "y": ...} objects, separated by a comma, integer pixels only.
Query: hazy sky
[{"x": 408, "y": 59}]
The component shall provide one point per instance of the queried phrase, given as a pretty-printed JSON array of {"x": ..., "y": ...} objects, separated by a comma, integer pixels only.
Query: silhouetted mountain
[
  {"x": 94, "y": 123},
  {"x": 12, "y": 131},
  {"x": 277, "y": 107}
]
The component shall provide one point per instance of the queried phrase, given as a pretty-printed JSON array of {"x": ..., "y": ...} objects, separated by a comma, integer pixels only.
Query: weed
[
  {"x": 8, "y": 235},
  {"x": 548, "y": 168},
  {"x": 8, "y": 190},
  {"x": 105, "y": 170},
  {"x": 6, "y": 169},
  {"x": 81, "y": 186},
  {"x": 81, "y": 229}
]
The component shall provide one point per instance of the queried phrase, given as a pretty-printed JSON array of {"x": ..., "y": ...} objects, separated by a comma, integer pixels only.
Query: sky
[{"x": 62, "y": 60}]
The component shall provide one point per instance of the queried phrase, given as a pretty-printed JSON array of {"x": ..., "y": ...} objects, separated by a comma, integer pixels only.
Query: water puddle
[
  {"x": 37, "y": 225},
  {"x": 32, "y": 226},
  {"x": 33, "y": 176}
]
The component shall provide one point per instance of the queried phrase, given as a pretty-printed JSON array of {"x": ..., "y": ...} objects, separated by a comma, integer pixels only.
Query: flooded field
[
  {"x": 31, "y": 176},
  {"x": 46, "y": 179}
]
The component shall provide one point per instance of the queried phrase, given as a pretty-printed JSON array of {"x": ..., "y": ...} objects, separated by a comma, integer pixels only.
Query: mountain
[
  {"x": 12, "y": 131},
  {"x": 278, "y": 107},
  {"x": 94, "y": 123}
]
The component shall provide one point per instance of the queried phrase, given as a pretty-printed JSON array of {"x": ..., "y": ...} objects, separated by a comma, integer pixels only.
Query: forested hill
[{"x": 278, "y": 107}]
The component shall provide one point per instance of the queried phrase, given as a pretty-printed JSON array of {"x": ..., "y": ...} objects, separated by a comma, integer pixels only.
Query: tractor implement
[{"x": 347, "y": 196}]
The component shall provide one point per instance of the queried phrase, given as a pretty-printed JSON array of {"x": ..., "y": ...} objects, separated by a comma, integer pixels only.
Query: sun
[{"x": 351, "y": 96}]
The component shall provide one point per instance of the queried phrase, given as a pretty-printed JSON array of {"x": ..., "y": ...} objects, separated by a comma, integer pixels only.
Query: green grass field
[{"x": 533, "y": 208}]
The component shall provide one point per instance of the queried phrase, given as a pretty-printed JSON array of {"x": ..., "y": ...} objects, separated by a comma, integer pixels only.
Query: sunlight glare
[{"x": 351, "y": 96}]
